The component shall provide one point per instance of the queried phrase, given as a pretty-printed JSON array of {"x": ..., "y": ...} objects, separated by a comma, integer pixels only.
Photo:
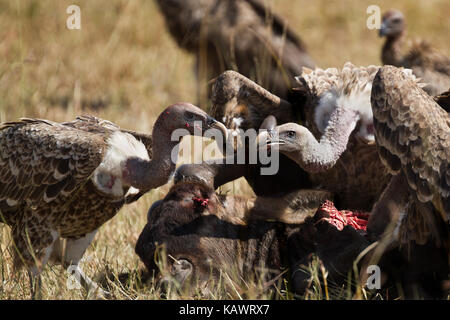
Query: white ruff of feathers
[
  {"x": 121, "y": 146},
  {"x": 348, "y": 88}
]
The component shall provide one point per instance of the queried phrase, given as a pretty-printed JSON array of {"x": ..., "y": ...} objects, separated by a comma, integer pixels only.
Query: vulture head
[
  {"x": 143, "y": 174},
  {"x": 339, "y": 107},
  {"x": 185, "y": 116},
  {"x": 393, "y": 24},
  {"x": 296, "y": 142}
]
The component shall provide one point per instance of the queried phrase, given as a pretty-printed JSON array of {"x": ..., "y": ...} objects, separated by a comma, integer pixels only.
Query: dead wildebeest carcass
[{"x": 207, "y": 238}]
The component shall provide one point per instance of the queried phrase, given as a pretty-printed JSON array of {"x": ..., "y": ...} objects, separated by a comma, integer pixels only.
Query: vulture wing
[
  {"x": 413, "y": 136},
  {"x": 96, "y": 125},
  {"x": 292, "y": 50},
  {"x": 242, "y": 104},
  {"x": 41, "y": 161}
]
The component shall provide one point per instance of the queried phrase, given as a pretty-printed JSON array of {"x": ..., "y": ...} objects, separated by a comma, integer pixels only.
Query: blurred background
[{"x": 125, "y": 67}]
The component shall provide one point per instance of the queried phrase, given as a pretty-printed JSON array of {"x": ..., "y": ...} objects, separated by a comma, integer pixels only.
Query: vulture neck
[
  {"x": 316, "y": 156},
  {"x": 146, "y": 175},
  {"x": 392, "y": 50}
]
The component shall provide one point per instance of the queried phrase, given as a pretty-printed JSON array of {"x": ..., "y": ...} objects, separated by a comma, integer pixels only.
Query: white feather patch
[
  {"x": 121, "y": 146},
  {"x": 238, "y": 122}
]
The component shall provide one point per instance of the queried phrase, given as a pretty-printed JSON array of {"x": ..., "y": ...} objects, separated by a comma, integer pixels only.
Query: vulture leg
[
  {"x": 33, "y": 247},
  {"x": 71, "y": 255},
  {"x": 387, "y": 209},
  {"x": 35, "y": 284}
]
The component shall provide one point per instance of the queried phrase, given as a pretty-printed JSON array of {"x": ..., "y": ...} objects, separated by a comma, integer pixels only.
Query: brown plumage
[
  {"x": 411, "y": 218},
  {"x": 241, "y": 35},
  {"x": 336, "y": 144},
  {"x": 413, "y": 138},
  {"x": 64, "y": 180},
  {"x": 426, "y": 62}
]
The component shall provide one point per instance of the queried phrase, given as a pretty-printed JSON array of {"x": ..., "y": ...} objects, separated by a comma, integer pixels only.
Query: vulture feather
[
  {"x": 64, "y": 180},
  {"x": 241, "y": 35}
]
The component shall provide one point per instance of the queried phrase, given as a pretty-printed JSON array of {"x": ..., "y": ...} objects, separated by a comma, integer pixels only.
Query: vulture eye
[
  {"x": 189, "y": 116},
  {"x": 291, "y": 134},
  {"x": 396, "y": 20}
]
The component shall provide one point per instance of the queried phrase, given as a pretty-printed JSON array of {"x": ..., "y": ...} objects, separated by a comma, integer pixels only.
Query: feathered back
[
  {"x": 413, "y": 136},
  {"x": 349, "y": 87},
  {"x": 241, "y": 35}
]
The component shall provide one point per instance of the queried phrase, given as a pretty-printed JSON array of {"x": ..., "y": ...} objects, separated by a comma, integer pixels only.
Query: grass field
[{"x": 123, "y": 66}]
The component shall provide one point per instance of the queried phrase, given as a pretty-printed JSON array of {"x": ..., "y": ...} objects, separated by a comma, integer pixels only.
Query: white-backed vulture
[
  {"x": 336, "y": 144},
  {"x": 64, "y": 180}
]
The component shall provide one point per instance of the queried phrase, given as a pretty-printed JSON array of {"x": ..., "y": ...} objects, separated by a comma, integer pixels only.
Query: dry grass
[{"x": 123, "y": 66}]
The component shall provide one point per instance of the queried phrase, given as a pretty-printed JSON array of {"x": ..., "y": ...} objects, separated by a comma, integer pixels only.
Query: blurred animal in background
[
  {"x": 65, "y": 180},
  {"x": 241, "y": 35},
  {"x": 426, "y": 62},
  {"x": 411, "y": 218}
]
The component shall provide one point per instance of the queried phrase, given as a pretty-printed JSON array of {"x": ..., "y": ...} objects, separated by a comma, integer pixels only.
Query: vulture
[
  {"x": 411, "y": 217},
  {"x": 335, "y": 146},
  {"x": 241, "y": 35},
  {"x": 64, "y": 180},
  {"x": 426, "y": 62},
  {"x": 413, "y": 138}
]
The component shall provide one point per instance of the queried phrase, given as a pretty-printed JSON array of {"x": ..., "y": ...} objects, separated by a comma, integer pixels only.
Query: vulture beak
[
  {"x": 214, "y": 124},
  {"x": 382, "y": 31},
  {"x": 269, "y": 138}
]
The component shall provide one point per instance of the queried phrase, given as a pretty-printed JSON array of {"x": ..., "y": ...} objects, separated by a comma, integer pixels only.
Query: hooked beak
[
  {"x": 214, "y": 124},
  {"x": 382, "y": 31},
  {"x": 268, "y": 139}
]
